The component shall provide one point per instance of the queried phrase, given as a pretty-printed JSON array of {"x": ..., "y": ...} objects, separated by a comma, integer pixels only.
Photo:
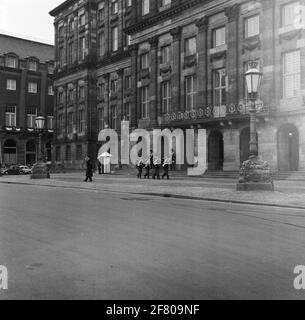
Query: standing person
[
  {"x": 157, "y": 165},
  {"x": 166, "y": 165},
  {"x": 140, "y": 168},
  {"x": 99, "y": 167},
  {"x": 89, "y": 170},
  {"x": 173, "y": 160},
  {"x": 147, "y": 168}
]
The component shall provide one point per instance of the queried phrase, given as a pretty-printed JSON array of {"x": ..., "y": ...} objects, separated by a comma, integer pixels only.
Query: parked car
[
  {"x": 25, "y": 169},
  {"x": 14, "y": 170},
  {"x": 4, "y": 171}
]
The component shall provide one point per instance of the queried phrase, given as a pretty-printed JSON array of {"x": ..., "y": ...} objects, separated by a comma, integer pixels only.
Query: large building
[
  {"x": 93, "y": 75},
  {"x": 26, "y": 90},
  {"x": 184, "y": 68}
]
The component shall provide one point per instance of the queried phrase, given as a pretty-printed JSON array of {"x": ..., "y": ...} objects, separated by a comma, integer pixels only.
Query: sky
[{"x": 28, "y": 19}]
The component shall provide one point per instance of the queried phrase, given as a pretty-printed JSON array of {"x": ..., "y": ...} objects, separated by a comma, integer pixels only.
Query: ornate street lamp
[
  {"x": 40, "y": 169},
  {"x": 255, "y": 174}
]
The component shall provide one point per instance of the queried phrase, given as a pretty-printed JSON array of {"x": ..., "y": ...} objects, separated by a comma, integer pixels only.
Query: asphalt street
[{"x": 81, "y": 244}]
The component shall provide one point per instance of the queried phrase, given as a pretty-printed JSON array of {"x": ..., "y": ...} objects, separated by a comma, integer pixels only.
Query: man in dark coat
[{"x": 89, "y": 170}]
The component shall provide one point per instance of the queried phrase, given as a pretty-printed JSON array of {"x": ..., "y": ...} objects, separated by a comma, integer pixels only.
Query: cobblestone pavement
[{"x": 287, "y": 193}]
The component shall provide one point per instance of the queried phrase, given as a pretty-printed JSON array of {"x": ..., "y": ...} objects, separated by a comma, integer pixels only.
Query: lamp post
[
  {"x": 40, "y": 169},
  {"x": 255, "y": 174}
]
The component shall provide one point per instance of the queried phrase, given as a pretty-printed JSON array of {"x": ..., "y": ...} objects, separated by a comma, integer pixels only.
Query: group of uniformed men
[{"x": 154, "y": 164}]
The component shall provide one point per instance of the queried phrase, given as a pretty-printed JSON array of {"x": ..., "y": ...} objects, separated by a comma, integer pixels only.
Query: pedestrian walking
[
  {"x": 166, "y": 164},
  {"x": 157, "y": 165},
  {"x": 147, "y": 166},
  {"x": 89, "y": 170},
  {"x": 140, "y": 165},
  {"x": 99, "y": 167},
  {"x": 173, "y": 160}
]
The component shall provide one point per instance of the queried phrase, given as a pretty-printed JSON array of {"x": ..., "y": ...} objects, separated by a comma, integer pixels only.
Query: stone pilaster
[
  {"x": 135, "y": 109},
  {"x": 176, "y": 69}
]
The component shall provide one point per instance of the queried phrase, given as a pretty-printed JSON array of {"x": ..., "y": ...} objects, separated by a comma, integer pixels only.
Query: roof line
[
  {"x": 28, "y": 40},
  {"x": 60, "y": 7}
]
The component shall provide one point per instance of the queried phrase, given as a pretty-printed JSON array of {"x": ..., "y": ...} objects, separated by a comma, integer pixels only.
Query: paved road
[{"x": 62, "y": 244}]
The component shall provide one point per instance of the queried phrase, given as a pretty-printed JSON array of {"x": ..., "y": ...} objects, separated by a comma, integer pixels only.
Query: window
[
  {"x": 166, "y": 96},
  {"x": 128, "y": 3},
  {"x": 82, "y": 48},
  {"x": 82, "y": 19},
  {"x": 128, "y": 39},
  {"x": 68, "y": 153},
  {"x": 50, "y": 68},
  {"x": 101, "y": 119},
  {"x": 81, "y": 121},
  {"x": 32, "y": 87},
  {"x": 79, "y": 152},
  {"x": 165, "y": 54},
  {"x": 291, "y": 74},
  {"x": 219, "y": 87},
  {"x": 100, "y": 90},
  {"x": 252, "y": 26},
  {"x": 11, "y": 84},
  {"x": 61, "y": 32},
  {"x": 190, "y": 46},
  {"x": 82, "y": 92},
  {"x": 219, "y": 37},
  {"x": 71, "y": 95},
  {"x": 145, "y": 7},
  {"x": 70, "y": 123},
  {"x": 190, "y": 93},
  {"x": 166, "y": 2},
  {"x": 114, "y": 117},
  {"x": 50, "y": 91},
  {"x": 127, "y": 112},
  {"x": 114, "y": 85},
  {"x": 60, "y": 97},
  {"x": 58, "y": 154},
  {"x": 70, "y": 53},
  {"x": 101, "y": 11},
  {"x": 115, "y": 39},
  {"x": 128, "y": 82},
  {"x": 50, "y": 122},
  {"x": 10, "y": 116},
  {"x": 144, "y": 102},
  {"x": 144, "y": 61},
  {"x": 101, "y": 42},
  {"x": 61, "y": 57},
  {"x": 114, "y": 7},
  {"x": 11, "y": 62},
  {"x": 71, "y": 26},
  {"x": 60, "y": 125},
  {"x": 31, "y": 117},
  {"x": 289, "y": 13},
  {"x": 33, "y": 65}
]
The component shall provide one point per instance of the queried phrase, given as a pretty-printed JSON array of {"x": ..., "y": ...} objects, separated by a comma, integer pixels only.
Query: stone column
[
  {"x": 23, "y": 90},
  {"x": 176, "y": 69},
  {"x": 153, "y": 88},
  {"x": 233, "y": 14},
  {"x": 202, "y": 25}
]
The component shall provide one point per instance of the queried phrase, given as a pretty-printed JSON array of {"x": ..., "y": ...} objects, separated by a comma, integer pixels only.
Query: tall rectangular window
[
  {"x": 101, "y": 11},
  {"x": 33, "y": 65},
  {"x": 81, "y": 121},
  {"x": 114, "y": 117},
  {"x": 71, "y": 53},
  {"x": 127, "y": 111},
  {"x": 289, "y": 13},
  {"x": 68, "y": 153},
  {"x": 166, "y": 96},
  {"x": 114, "y": 85},
  {"x": 144, "y": 61},
  {"x": 61, "y": 57},
  {"x": 31, "y": 117},
  {"x": 114, "y": 7},
  {"x": 50, "y": 91},
  {"x": 291, "y": 74},
  {"x": 252, "y": 26},
  {"x": 165, "y": 54},
  {"x": 10, "y": 116},
  {"x": 144, "y": 102},
  {"x": 82, "y": 48},
  {"x": 11, "y": 84},
  {"x": 11, "y": 62},
  {"x": 60, "y": 125},
  {"x": 190, "y": 46},
  {"x": 102, "y": 49},
  {"x": 115, "y": 38},
  {"x": 127, "y": 82},
  {"x": 82, "y": 92},
  {"x": 219, "y": 37},
  {"x": 190, "y": 93},
  {"x": 145, "y": 7},
  {"x": 219, "y": 87},
  {"x": 82, "y": 19},
  {"x": 101, "y": 119},
  {"x": 32, "y": 87},
  {"x": 58, "y": 154},
  {"x": 70, "y": 123},
  {"x": 79, "y": 152}
]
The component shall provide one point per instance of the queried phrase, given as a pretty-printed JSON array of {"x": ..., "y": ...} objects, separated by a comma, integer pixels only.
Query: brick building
[
  {"x": 188, "y": 64},
  {"x": 184, "y": 68},
  {"x": 26, "y": 90},
  {"x": 93, "y": 75}
]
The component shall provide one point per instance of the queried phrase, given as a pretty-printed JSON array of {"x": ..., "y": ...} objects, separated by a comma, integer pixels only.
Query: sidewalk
[{"x": 287, "y": 193}]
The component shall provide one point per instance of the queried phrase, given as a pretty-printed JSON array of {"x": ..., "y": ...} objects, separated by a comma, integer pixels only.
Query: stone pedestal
[
  {"x": 255, "y": 174},
  {"x": 40, "y": 171}
]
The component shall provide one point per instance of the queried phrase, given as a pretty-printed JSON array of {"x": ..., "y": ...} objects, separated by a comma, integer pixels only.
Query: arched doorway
[
  {"x": 49, "y": 151},
  {"x": 10, "y": 152},
  {"x": 244, "y": 145},
  {"x": 288, "y": 148},
  {"x": 216, "y": 151},
  {"x": 30, "y": 150}
]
